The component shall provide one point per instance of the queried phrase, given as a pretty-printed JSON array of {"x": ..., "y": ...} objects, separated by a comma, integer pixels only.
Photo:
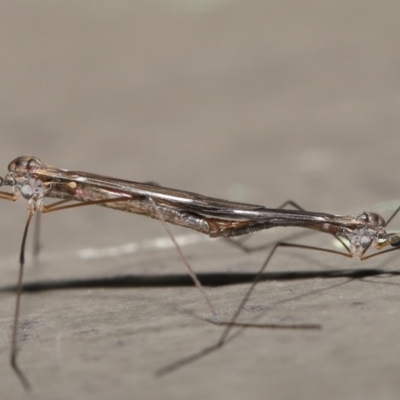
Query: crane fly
[{"x": 35, "y": 181}]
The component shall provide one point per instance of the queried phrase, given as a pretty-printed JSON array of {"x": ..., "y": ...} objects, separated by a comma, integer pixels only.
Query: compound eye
[
  {"x": 371, "y": 218},
  {"x": 18, "y": 164},
  {"x": 395, "y": 241},
  {"x": 33, "y": 163},
  {"x": 23, "y": 164},
  {"x": 363, "y": 217}
]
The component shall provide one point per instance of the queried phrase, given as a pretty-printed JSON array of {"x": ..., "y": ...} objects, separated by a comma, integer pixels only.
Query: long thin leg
[
  {"x": 14, "y": 337},
  {"x": 231, "y": 323},
  {"x": 184, "y": 260},
  {"x": 392, "y": 216},
  {"x": 291, "y": 203},
  {"x": 379, "y": 254},
  {"x": 58, "y": 203},
  {"x": 36, "y": 239},
  {"x": 14, "y": 340},
  {"x": 56, "y": 207}
]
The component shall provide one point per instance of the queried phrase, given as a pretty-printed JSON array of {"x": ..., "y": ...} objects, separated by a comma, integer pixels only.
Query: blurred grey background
[{"x": 251, "y": 101}]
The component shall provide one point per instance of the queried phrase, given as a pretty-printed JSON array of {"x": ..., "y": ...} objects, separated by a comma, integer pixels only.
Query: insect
[{"x": 35, "y": 181}]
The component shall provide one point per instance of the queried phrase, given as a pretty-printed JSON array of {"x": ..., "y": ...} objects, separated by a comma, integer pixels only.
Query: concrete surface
[{"x": 247, "y": 100}]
